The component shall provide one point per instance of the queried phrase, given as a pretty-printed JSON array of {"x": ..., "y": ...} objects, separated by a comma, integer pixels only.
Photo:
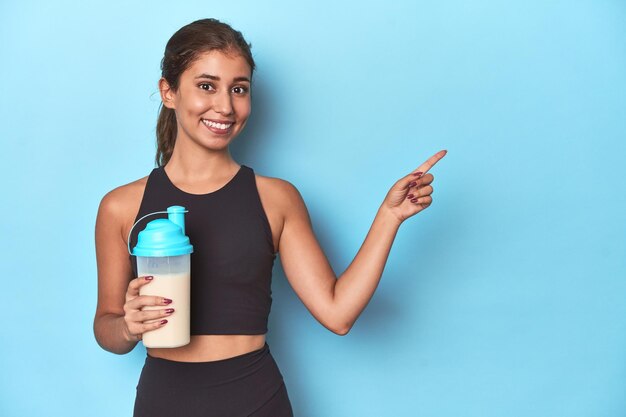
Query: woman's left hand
[{"x": 411, "y": 194}]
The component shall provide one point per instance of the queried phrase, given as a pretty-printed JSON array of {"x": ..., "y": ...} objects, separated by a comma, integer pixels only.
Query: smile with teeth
[{"x": 215, "y": 125}]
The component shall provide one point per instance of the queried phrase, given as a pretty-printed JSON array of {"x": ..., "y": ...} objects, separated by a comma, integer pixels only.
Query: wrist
[
  {"x": 388, "y": 217},
  {"x": 128, "y": 336}
]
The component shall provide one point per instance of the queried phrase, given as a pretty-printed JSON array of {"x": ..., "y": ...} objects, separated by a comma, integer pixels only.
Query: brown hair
[{"x": 181, "y": 51}]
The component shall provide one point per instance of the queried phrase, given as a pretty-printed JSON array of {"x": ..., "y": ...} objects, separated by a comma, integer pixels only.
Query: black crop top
[{"x": 233, "y": 251}]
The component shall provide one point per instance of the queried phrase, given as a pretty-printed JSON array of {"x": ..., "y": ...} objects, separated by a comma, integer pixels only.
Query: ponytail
[{"x": 166, "y": 135}]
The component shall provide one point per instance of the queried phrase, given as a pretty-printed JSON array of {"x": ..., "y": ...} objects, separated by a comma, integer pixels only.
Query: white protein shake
[
  {"x": 176, "y": 287},
  {"x": 164, "y": 252}
]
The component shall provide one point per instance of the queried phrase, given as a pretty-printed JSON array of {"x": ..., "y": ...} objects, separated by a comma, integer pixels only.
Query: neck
[{"x": 196, "y": 163}]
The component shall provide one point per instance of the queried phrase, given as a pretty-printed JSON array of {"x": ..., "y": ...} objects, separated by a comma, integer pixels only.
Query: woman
[{"x": 237, "y": 221}]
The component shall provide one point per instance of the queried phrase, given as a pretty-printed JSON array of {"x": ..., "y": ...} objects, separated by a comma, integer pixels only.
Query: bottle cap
[{"x": 164, "y": 237}]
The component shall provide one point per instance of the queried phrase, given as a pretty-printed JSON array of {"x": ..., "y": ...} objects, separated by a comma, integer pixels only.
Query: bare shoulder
[
  {"x": 119, "y": 206},
  {"x": 282, "y": 201},
  {"x": 282, "y": 193}
]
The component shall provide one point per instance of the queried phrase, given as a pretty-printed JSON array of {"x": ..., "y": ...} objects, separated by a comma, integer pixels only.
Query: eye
[
  {"x": 206, "y": 86},
  {"x": 240, "y": 89}
]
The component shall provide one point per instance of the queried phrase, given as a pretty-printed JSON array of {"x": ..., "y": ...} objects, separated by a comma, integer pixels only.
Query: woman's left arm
[{"x": 338, "y": 302}]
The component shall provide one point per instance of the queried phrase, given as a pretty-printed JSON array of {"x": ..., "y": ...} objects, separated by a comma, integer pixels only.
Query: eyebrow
[{"x": 216, "y": 78}]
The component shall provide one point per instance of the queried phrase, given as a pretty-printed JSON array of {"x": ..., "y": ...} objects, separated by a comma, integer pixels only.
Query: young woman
[{"x": 237, "y": 221}]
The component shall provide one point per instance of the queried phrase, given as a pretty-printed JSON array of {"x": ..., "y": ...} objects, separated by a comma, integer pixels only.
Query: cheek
[
  {"x": 199, "y": 104},
  {"x": 243, "y": 108},
  {"x": 194, "y": 103}
]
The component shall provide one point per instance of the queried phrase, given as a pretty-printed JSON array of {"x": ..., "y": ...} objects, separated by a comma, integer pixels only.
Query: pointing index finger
[{"x": 431, "y": 161}]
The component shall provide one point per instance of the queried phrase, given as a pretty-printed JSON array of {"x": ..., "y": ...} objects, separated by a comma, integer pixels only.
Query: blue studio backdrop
[{"x": 506, "y": 297}]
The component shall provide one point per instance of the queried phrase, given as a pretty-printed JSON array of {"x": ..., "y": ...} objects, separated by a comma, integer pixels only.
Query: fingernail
[
  {"x": 169, "y": 310},
  {"x": 149, "y": 278},
  {"x": 163, "y": 321},
  {"x": 414, "y": 200},
  {"x": 410, "y": 196},
  {"x": 412, "y": 184},
  {"x": 167, "y": 301},
  {"x": 418, "y": 173}
]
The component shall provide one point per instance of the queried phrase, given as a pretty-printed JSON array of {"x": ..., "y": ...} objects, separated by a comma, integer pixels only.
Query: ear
[{"x": 167, "y": 94}]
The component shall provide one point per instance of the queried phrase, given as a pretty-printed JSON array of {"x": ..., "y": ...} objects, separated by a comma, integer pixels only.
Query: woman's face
[{"x": 212, "y": 103}]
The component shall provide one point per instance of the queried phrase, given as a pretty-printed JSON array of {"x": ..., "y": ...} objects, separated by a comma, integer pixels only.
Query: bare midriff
[{"x": 205, "y": 348}]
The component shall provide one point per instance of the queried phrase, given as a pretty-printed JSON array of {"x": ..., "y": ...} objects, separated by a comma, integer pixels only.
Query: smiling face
[{"x": 212, "y": 102}]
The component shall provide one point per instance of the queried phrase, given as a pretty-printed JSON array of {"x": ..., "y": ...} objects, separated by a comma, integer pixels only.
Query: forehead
[{"x": 220, "y": 64}]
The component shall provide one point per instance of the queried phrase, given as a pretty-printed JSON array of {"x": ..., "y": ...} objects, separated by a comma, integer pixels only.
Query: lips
[{"x": 218, "y": 126}]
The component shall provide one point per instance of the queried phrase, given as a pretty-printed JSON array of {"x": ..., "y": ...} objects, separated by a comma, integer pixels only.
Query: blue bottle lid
[{"x": 164, "y": 237}]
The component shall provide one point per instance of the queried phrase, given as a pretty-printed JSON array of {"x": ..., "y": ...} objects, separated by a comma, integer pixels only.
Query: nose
[{"x": 223, "y": 103}]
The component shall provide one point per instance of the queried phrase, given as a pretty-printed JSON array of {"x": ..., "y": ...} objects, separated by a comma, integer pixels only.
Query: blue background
[{"x": 507, "y": 297}]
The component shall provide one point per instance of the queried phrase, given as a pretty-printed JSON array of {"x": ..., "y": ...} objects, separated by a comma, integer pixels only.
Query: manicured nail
[
  {"x": 167, "y": 301},
  {"x": 418, "y": 173},
  {"x": 412, "y": 184},
  {"x": 169, "y": 310},
  {"x": 149, "y": 278},
  {"x": 414, "y": 200},
  {"x": 163, "y": 321},
  {"x": 410, "y": 196}
]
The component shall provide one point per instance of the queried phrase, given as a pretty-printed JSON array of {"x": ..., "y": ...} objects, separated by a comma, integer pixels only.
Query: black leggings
[{"x": 246, "y": 385}]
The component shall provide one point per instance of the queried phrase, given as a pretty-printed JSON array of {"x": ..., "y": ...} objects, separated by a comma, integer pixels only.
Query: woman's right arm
[{"x": 118, "y": 323}]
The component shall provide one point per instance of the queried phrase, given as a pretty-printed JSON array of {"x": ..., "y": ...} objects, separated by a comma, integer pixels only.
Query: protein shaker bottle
[{"x": 163, "y": 251}]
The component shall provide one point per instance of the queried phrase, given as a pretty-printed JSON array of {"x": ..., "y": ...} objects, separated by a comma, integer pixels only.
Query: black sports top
[{"x": 233, "y": 251}]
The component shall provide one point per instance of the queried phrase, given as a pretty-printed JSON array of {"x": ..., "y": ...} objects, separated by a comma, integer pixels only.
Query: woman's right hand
[{"x": 136, "y": 318}]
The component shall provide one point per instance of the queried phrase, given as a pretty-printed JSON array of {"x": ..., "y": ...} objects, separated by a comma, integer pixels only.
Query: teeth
[{"x": 221, "y": 126}]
